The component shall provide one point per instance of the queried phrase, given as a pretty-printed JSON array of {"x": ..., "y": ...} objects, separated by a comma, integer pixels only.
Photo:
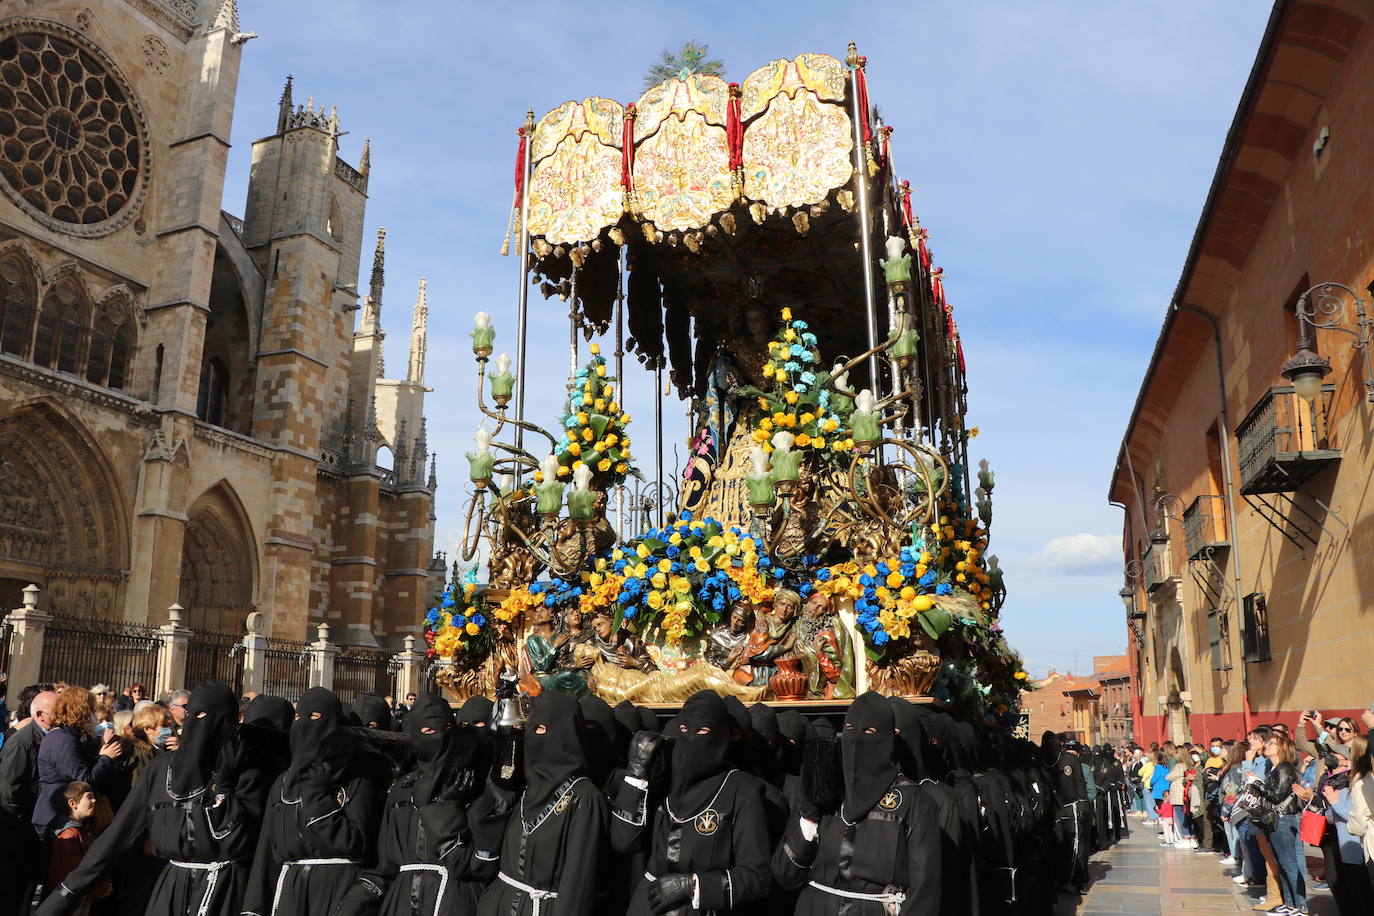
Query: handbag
[{"x": 1312, "y": 827}]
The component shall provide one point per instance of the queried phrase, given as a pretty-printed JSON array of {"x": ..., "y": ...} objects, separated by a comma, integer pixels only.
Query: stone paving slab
[{"x": 1138, "y": 877}]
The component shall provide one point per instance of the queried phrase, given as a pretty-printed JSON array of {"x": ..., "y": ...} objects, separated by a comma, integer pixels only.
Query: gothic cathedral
[{"x": 192, "y": 405}]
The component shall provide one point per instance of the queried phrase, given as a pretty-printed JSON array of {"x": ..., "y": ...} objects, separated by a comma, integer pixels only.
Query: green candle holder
[
  {"x": 760, "y": 490},
  {"x": 580, "y": 504},
  {"x": 479, "y": 467},
  {"x": 866, "y": 426},
  {"x": 482, "y": 339},
  {"x": 786, "y": 466},
  {"x": 904, "y": 348},
  {"x": 502, "y": 387},
  {"x": 548, "y": 498}
]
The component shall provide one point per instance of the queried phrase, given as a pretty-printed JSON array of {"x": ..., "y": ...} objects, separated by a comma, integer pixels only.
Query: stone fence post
[
  {"x": 410, "y": 674},
  {"x": 322, "y": 655},
  {"x": 171, "y": 665},
  {"x": 26, "y": 644},
  {"x": 254, "y": 654}
]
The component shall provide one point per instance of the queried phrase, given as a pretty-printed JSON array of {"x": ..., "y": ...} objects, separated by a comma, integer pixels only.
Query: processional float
[{"x": 753, "y": 240}]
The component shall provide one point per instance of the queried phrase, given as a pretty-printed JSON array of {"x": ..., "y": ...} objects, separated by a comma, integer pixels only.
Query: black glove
[
  {"x": 670, "y": 891},
  {"x": 60, "y": 902},
  {"x": 643, "y": 748}
]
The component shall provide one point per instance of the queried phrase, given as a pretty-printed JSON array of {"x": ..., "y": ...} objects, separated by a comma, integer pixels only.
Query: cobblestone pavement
[{"x": 1139, "y": 878}]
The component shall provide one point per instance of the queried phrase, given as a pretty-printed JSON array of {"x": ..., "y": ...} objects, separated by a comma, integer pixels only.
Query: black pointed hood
[
  {"x": 429, "y": 727},
  {"x": 553, "y": 746},
  {"x": 1049, "y": 748},
  {"x": 598, "y": 738},
  {"x": 269, "y": 711},
  {"x": 911, "y": 739},
  {"x": 475, "y": 714},
  {"x": 867, "y": 747},
  {"x": 701, "y": 752},
  {"x": 792, "y": 735},
  {"x": 319, "y": 714},
  {"x": 371, "y": 711},
  {"x": 212, "y": 716}
]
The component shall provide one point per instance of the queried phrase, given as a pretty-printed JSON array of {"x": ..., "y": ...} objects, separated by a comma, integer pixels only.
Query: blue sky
[{"x": 1059, "y": 152}]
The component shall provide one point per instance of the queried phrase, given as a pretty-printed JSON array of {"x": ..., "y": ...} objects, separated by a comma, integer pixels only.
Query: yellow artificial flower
[
  {"x": 760, "y": 435},
  {"x": 655, "y": 600},
  {"x": 603, "y": 465},
  {"x": 574, "y": 448},
  {"x": 659, "y": 580},
  {"x": 807, "y": 417},
  {"x": 894, "y": 579},
  {"x": 779, "y": 418},
  {"x": 791, "y": 398},
  {"x": 599, "y": 403},
  {"x": 642, "y": 550},
  {"x": 767, "y": 370},
  {"x": 625, "y": 418},
  {"x": 621, "y": 467},
  {"x": 588, "y": 435},
  {"x": 577, "y": 464},
  {"x": 664, "y": 565},
  {"x": 766, "y": 423},
  {"x": 789, "y": 335},
  {"x": 586, "y": 400},
  {"x": 596, "y": 348},
  {"x": 538, "y": 476},
  {"x": 600, "y": 371},
  {"x": 831, "y": 425},
  {"x": 780, "y": 378},
  {"x": 803, "y": 440},
  {"x": 564, "y": 470},
  {"x": 472, "y": 628},
  {"x": 612, "y": 439},
  {"x": 786, "y": 314},
  {"x": 716, "y": 541},
  {"x": 818, "y": 442}
]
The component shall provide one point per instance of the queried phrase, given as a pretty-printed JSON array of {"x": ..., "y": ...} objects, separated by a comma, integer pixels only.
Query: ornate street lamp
[{"x": 1324, "y": 306}]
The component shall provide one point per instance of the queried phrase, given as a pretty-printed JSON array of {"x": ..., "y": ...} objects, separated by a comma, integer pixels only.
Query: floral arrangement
[
  {"x": 890, "y": 596},
  {"x": 959, "y": 544},
  {"x": 795, "y": 401},
  {"x": 594, "y": 428},
  {"x": 457, "y": 627}
]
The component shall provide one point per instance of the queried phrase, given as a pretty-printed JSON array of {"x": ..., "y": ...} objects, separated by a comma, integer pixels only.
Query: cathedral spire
[
  {"x": 284, "y": 107},
  {"x": 419, "y": 332},
  {"x": 372, "y": 309}
]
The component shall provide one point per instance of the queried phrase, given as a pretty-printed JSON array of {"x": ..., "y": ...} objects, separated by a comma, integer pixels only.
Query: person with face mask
[
  {"x": 707, "y": 841},
  {"x": 371, "y": 711},
  {"x": 427, "y": 858},
  {"x": 1070, "y": 794},
  {"x": 880, "y": 852},
  {"x": 323, "y": 815},
  {"x": 548, "y": 858},
  {"x": 198, "y": 807}
]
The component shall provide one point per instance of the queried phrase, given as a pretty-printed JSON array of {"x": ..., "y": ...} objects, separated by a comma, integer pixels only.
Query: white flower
[
  {"x": 502, "y": 364},
  {"x": 483, "y": 439},
  {"x": 758, "y": 460},
  {"x": 983, "y": 465},
  {"x": 549, "y": 467},
  {"x": 782, "y": 440},
  {"x": 481, "y": 320},
  {"x": 582, "y": 478},
  {"x": 866, "y": 402}
]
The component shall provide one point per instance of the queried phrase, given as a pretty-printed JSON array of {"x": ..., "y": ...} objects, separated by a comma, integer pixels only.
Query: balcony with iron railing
[
  {"x": 1204, "y": 526},
  {"x": 1285, "y": 441},
  {"x": 1156, "y": 564}
]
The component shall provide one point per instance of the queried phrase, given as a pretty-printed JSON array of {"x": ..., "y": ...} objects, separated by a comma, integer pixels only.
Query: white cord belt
[
  {"x": 286, "y": 867},
  {"x": 443, "y": 880},
  {"x": 893, "y": 897},
  {"x": 211, "y": 881},
  {"x": 537, "y": 896}
]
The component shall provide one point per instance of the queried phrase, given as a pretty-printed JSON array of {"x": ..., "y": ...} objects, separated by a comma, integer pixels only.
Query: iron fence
[
  {"x": 215, "y": 655},
  {"x": 363, "y": 669},
  {"x": 86, "y": 651},
  {"x": 286, "y": 666}
]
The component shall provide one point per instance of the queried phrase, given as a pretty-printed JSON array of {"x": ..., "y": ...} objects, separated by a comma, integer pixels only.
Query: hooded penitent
[
  {"x": 792, "y": 732},
  {"x": 270, "y": 712},
  {"x": 1049, "y": 748},
  {"x": 553, "y": 747},
  {"x": 371, "y": 711},
  {"x": 911, "y": 739},
  {"x": 766, "y": 738},
  {"x": 598, "y": 738},
  {"x": 701, "y": 751},
  {"x": 627, "y": 722},
  {"x": 866, "y": 746},
  {"x": 939, "y": 750},
  {"x": 429, "y": 727},
  {"x": 742, "y": 742},
  {"x": 318, "y": 715},
  {"x": 211, "y": 718},
  {"x": 475, "y": 714},
  {"x": 648, "y": 719}
]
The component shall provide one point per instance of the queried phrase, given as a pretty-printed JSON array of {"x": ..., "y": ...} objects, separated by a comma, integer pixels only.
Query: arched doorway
[
  {"x": 218, "y": 563},
  {"x": 62, "y": 521}
]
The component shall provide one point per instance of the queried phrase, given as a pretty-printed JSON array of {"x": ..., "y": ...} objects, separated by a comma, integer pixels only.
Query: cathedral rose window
[{"x": 73, "y": 145}]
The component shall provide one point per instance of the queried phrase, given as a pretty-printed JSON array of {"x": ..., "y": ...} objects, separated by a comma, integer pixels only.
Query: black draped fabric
[
  {"x": 645, "y": 315},
  {"x": 868, "y": 746},
  {"x": 271, "y": 712},
  {"x": 323, "y": 815},
  {"x": 627, "y": 722},
  {"x": 713, "y": 824},
  {"x": 371, "y": 711},
  {"x": 677, "y": 326},
  {"x": 892, "y": 849},
  {"x": 599, "y": 733},
  {"x": 648, "y": 719},
  {"x": 475, "y": 713},
  {"x": 549, "y": 856},
  {"x": 198, "y": 808},
  {"x": 793, "y": 731}
]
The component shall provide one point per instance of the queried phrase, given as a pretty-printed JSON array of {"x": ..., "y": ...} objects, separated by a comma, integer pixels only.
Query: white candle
[
  {"x": 866, "y": 402},
  {"x": 758, "y": 460},
  {"x": 782, "y": 440}
]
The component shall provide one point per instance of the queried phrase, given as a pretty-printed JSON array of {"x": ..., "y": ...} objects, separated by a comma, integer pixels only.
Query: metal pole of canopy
[
  {"x": 572, "y": 334},
  {"x": 865, "y": 239},
  {"x": 524, "y": 248},
  {"x": 658, "y": 441},
  {"x": 620, "y": 373}
]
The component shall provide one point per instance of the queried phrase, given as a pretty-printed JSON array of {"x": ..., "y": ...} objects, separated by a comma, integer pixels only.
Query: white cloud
[{"x": 1078, "y": 554}]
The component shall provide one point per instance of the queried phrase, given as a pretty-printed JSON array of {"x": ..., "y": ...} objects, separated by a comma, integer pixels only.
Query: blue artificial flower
[
  {"x": 870, "y": 593},
  {"x": 479, "y": 620},
  {"x": 883, "y": 568},
  {"x": 619, "y": 565},
  {"x": 792, "y": 366},
  {"x": 630, "y": 612},
  {"x": 686, "y": 515},
  {"x": 907, "y": 570},
  {"x": 550, "y": 600},
  {"x": 432, "y": 617},
  {"x": 880, "y": 637},
  {"x": 823, "y": 575},
  {"x": 809, "y": 339},
  {"x": 764, "y": 562},
  {"x": 734, "y": 593},
  {"x": 718, "y": 603},
  {"x": 944, "y": 588},
  {"x": 800, "y": 325},
  {"x": 799, "y": 388},
  {"x": 928, "y": 579},
  {"x": 674, "y": 569},
  {"x": 808, "y": 378},
  {"x": 865, "y": 579},
  {"x": 824, "y": 399},
  {"x": 797, "y": 350},
  {"x": 672, "y": 551},
  {"x": 807, "y": 590}
]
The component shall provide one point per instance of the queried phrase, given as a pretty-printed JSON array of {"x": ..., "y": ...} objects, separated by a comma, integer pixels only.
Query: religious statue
[
  {"x": 794, "y": 526},
  {"x": 511, "y": 564},
  {"x": 623, "y": 670},
  {"x": 550, "y": 657},
  {"x": 826, "y": 651},
  {"x": 575, "y": 546},
  {"x": 773, "y": 637},
  {"x": 725, "y": 646}
]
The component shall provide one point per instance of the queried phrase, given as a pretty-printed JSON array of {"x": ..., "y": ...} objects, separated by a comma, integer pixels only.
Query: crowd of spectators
[{"x": 1261, "y": 801}]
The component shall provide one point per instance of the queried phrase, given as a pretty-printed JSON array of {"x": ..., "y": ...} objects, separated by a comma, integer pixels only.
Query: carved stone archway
[
  {"x": 218, "y": 563},
  {"x": 63, "y": 524}
]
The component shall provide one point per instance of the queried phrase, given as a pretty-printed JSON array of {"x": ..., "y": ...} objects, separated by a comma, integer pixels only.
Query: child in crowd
[{"x": 71, "y": 841}]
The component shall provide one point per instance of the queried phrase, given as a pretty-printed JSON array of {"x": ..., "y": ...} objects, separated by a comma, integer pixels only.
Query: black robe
[
  {"x": 725, "y": 843},
  {"x": 548, "y": 859},
  {"x": 316, "y": 839},
  {"x": 895, "y": 848},
  {"x": 207, "y": 835}
]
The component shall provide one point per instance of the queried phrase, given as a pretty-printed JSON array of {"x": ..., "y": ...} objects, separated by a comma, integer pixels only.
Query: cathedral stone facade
[{"x": 192, "y": 407}]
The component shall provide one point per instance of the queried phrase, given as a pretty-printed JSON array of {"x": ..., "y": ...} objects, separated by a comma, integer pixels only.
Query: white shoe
[
  {"x": 1241, "y": 880},
  {"x": 1182, "y": 844},
  {"x": 1192, "y": 843},
  {"x": 1229, "y": 860}
]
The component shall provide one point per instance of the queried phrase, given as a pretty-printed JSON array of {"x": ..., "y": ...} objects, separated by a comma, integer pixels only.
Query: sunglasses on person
[{"x": 1346, "y": 729}]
